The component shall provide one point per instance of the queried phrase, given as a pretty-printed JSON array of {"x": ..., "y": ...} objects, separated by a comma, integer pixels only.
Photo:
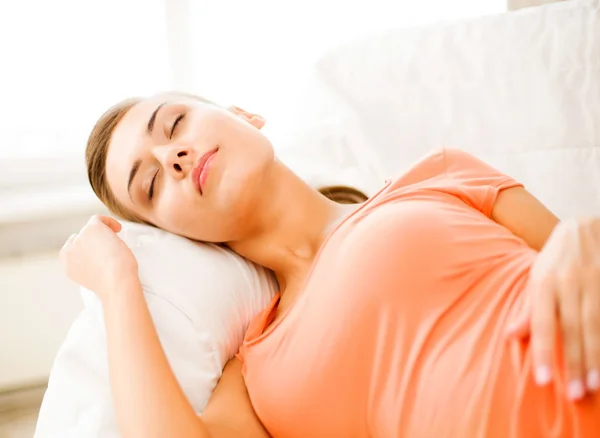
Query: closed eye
[
  {"x": 175, "y": 123},
  {"x": 152, "y": 184}
]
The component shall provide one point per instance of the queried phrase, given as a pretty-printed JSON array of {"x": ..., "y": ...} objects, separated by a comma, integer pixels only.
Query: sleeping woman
[{"x": 451, "y": 303}]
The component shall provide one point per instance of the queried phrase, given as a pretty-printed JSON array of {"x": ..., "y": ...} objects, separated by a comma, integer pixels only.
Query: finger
[
  {"x": 572, "y": 336},
  {"x": 520, "y": 327},
  {"x": 69, "y": 241},
  {"x": 591, "y": 333},
  {"x": 111, "y": 223},
  {"x": 63, "y": 251},
  {"x": 543, "y": 333}
]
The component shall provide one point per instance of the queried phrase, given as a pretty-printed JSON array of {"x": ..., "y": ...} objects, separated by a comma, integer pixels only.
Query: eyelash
[
  {"x": 175, "y": 123},
  {"x": 151, "y": 190}
]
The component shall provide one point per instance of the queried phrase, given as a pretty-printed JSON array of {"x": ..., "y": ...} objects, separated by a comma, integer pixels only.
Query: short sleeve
[
  {"x": 476, "y": 183},
  {"x": 426, "y": 170}
]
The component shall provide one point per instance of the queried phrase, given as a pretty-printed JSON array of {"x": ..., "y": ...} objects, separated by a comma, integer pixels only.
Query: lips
[{"x": 202, "y": 168}]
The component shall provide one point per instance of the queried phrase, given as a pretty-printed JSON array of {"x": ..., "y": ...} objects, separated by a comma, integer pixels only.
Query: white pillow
[
  {"x": 201, "y": 298},
  {"x": 520, "y": 90}
]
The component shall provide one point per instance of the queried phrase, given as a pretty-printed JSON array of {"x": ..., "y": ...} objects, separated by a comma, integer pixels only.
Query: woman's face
[{"x": 190, "y": 167}]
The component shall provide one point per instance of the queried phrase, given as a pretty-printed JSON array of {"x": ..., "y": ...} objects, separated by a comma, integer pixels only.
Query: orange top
[{"x": 399, "y": 329}]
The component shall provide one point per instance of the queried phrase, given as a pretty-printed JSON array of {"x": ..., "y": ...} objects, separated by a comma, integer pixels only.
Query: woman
[{"x": 393, "y": 315}]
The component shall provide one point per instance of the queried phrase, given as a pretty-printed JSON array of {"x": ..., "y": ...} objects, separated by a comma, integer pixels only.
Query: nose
[{"x": 176, "y": 161}]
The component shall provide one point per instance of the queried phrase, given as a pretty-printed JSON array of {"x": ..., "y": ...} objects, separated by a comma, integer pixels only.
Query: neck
[{"x": 291, "y": 222}]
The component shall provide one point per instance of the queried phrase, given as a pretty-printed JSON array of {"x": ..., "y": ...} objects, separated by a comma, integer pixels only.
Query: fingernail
[
  {"x": 511, "y": 329},
  {"x": 593, "y": 380},
  {"x": 575, "y": 390},
  {"x": 542, "y": 375}
]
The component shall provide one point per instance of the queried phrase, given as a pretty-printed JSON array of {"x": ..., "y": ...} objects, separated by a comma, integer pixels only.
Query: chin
[{"x": 238, "y": 203}]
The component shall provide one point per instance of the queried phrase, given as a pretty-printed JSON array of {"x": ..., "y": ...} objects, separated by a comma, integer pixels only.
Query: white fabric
[
  {"x": 520, "y": 90},
  {"x": 319, "y": 140},
  {"x": 201, "y": 298}
]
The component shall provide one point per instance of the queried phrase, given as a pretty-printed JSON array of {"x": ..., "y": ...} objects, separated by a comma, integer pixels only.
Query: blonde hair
[
  {"x": 343, "y": 194},
  {"x": 97, "y": 149}
]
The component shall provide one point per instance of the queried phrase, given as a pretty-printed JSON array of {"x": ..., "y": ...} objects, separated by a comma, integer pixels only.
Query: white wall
[
  {"x": 257, "y": 54},
  {"x": 519, "y": 4},
  {"x": 37, "y": 305}
]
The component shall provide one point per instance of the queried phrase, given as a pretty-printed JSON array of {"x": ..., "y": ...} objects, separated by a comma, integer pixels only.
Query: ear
[{"x": 254, "y": 119}]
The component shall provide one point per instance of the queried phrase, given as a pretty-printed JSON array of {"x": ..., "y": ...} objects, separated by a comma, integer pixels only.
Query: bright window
[{"x": 66, "y": 61}]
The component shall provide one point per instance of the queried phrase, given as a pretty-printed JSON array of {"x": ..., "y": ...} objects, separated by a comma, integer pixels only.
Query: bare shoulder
[
  {"x": 525, "y": 216},
  {"x": 229, "y": 412}
]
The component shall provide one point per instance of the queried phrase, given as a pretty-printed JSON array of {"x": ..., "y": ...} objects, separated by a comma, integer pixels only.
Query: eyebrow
[
  {"x": 152, "y": 118},
  {"x": 132, "y": 174}
]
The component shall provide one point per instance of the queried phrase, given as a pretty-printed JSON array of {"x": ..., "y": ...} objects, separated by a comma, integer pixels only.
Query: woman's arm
[
  {"x": 564, "y": 287},
  {"x": 148, "y": 399},
  {"x": 231, "y": 402},
  {"x": 526, "y": 217}
]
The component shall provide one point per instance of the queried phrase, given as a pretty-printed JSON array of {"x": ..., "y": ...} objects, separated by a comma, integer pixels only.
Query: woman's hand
[
  {"x": 97, "y": 258},
  {"x": 565, "y": 294}
]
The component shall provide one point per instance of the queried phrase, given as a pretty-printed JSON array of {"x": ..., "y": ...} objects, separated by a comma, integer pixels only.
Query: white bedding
[
  {"x": 201, "y": 298},
  {"x": 520, "y": 90}
]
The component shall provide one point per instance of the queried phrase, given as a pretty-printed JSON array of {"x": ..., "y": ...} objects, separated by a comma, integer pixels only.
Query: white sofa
[{"x": 520, "y": 90}]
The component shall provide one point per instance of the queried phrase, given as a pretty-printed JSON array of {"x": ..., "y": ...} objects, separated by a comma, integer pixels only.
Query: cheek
[
  {"x": 205, "y": 131},
  {"x": 177, "y": 211}
]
